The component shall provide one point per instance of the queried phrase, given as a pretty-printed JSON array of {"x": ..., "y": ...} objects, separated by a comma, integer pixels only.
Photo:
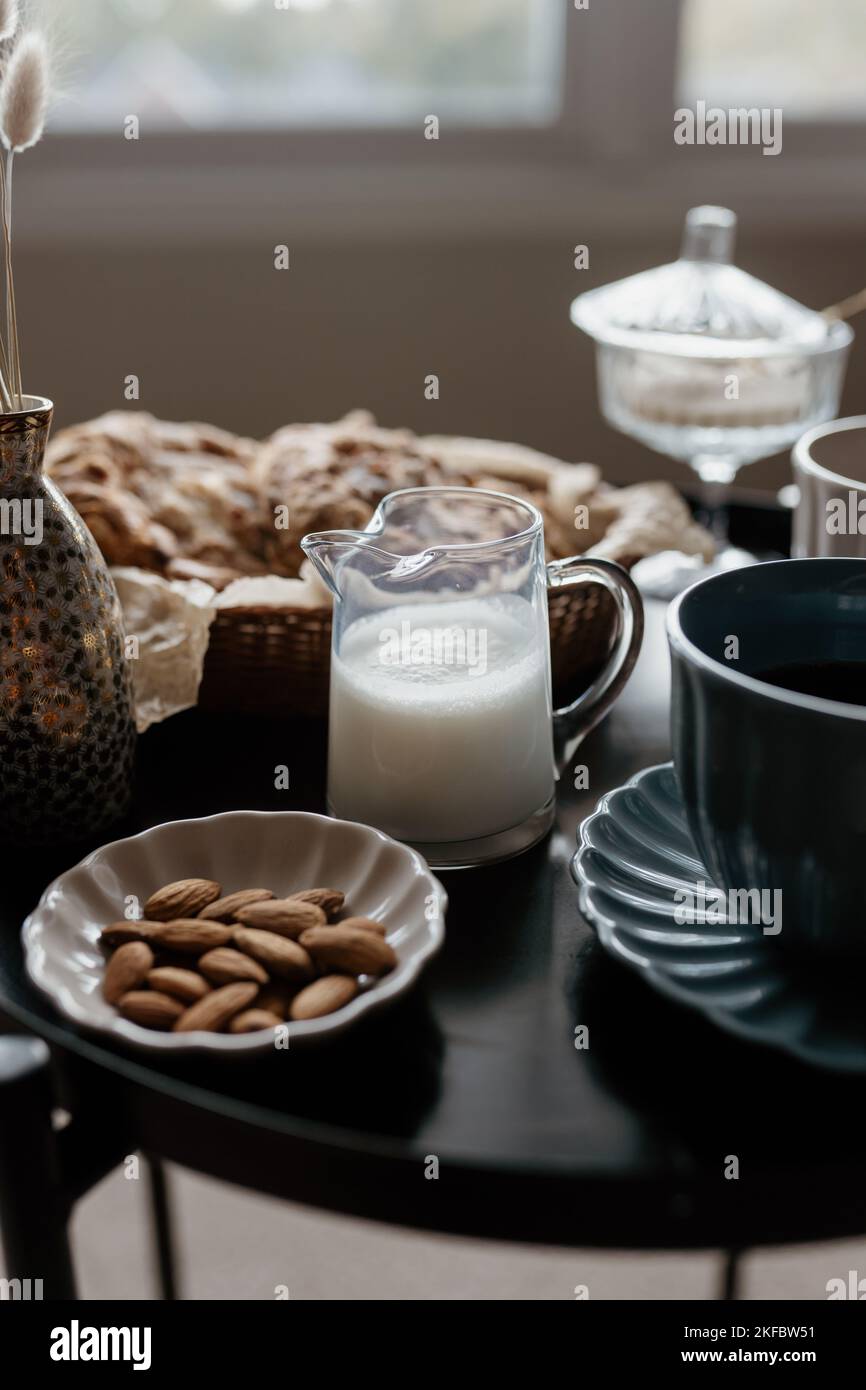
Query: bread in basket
[{"x": 190, "y": 501}]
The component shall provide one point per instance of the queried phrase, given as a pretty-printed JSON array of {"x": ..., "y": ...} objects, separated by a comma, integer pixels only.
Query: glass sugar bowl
[{"x": 710, "y": 366}]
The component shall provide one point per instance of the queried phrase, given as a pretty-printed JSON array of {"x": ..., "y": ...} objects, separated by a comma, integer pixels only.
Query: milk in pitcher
[{"x": 440, "y": 720}]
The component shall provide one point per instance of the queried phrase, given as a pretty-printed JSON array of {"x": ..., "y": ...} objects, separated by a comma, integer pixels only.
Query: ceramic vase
[{"x": 67, "y": 734}]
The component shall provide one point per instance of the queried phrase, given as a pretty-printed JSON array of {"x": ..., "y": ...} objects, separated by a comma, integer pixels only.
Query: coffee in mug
[{"x": 768, "y": 725}]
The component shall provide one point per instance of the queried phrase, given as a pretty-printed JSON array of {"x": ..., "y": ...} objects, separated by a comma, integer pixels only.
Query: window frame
[{"x": 609, "y": 152}]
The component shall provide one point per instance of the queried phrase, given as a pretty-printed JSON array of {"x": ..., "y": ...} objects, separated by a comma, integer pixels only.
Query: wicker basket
[{"x": 276, "y": 662}]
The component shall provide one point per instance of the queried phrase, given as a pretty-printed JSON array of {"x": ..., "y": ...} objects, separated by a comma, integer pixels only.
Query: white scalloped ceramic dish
[{"x": 281, "y": 850}]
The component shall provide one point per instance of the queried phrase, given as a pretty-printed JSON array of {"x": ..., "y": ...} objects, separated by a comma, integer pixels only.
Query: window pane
[
  {"x": 804, "y": 57},
  {"x": 205, "y": 63}
]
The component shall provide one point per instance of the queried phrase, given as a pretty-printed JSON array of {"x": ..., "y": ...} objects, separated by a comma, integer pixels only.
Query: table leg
[
  {"x": 34, "y": 1206},
  {"x": 160, "y": 1215},
  {"x": 730, "y": 1290}
]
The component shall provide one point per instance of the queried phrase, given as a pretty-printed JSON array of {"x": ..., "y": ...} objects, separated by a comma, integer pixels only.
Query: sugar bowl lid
[{"x": 702, "y": 304}]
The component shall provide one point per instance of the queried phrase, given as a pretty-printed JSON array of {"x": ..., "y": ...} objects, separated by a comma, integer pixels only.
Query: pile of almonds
[{"x": 248, "y": 961}]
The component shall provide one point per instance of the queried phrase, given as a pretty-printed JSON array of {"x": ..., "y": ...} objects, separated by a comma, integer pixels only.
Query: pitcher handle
[{"x": 585, "y": 712}]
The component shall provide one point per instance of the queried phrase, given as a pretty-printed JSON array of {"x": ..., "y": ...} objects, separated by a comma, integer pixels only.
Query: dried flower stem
[
  {"x": 14, "y": 348},
  {"x": 7, "y": 388},
  {"x": 24, "y": 97},
  {"x": 847, "y": 308},
  {"x": 7, "y": 257},
  {"x": 7, "y": 402}
]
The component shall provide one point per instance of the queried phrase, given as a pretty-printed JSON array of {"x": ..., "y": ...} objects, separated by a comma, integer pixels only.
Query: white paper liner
[
  {"x": 171, "y": 621},
  {"x": 273, "y": 591}
]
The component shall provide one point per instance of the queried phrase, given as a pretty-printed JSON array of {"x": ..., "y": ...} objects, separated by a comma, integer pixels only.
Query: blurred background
[{"x": 302, "y": 123}]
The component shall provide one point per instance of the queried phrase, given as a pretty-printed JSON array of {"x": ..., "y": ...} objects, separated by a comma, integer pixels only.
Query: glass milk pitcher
[{"x": 442, "y": 732}]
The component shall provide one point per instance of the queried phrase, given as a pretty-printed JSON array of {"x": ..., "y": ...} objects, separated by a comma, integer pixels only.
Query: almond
[
  {"x": 215, "y": 1010},
  {"x": 190, "y": 936},
  {"x": 185, "y": 898},
  {"x": 223, "y": 966},
  {"x": 330, "y": 900},
  {"x": 181, "y": 984},
  {"x": 282, "y": 915},
  {"x": 356, "y": 950},
  {"x": 323, "y": 996},
  {"x": 254, "y": 1020},
  {"x": 224, "y": 909},
  {"x": 278, "y": 954},
  {"x": 118, "y": 933},
  {"x": 276, "y": 998},
  {"x": 127, "y": 968},
  {"x": 364, "y": 924},
  {"x": 150, "y": 1008}
]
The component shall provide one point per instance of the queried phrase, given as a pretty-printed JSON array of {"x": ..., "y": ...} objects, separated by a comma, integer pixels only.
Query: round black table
[{"x": 624, "y": 1143}]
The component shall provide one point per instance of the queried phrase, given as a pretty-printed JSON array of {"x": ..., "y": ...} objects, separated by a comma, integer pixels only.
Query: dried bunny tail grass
[
  {"x": 11, "y": 350},
  {"x": 25, "y": 93},
  {"x": 8, "y": 19},
  {"x": 24, "y": 98}
]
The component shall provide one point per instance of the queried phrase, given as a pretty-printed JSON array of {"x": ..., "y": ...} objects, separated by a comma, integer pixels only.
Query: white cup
[{"x": 829, "y": 464}]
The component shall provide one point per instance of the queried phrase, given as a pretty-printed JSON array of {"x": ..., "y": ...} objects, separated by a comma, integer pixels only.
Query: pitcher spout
[
  {"x": 332, "y": 552},
  {"x": 326, "y": 549}
]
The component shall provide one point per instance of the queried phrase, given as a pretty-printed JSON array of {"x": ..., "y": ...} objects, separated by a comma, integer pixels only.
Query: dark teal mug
[{"x": 774, "y": 778}]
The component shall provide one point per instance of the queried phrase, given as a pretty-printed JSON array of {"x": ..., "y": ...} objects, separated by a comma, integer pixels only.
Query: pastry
[
  {"x": 649, "y": 518},
  {"x": 176, "y": 499},
  {"x": 334, "y": 476},
  {"x": 193, "y": 502}
]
